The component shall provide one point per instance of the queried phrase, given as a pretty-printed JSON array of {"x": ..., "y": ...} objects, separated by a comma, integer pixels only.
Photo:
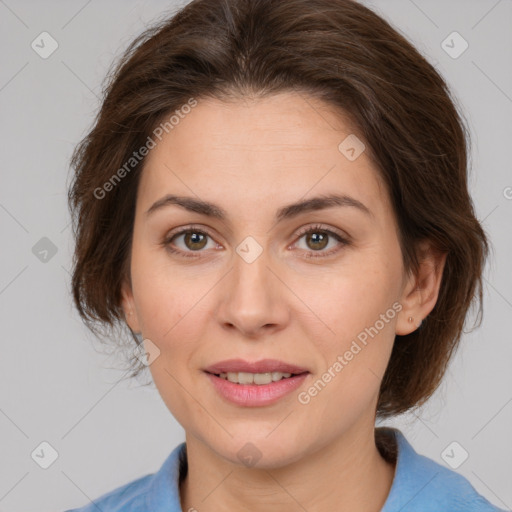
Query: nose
[{"x": 254, "y": 298}]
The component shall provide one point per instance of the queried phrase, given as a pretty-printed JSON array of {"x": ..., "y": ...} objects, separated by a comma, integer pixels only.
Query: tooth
[
  {"x": 262, "y": 378},
  {"x": 254, "y": 378},
  {"x": 245, "y": 378}
]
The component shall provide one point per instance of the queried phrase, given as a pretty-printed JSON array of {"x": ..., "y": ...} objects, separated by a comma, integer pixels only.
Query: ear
[
  {"x": 421, "y": 290},
  {"x": 128, "y": 305}
]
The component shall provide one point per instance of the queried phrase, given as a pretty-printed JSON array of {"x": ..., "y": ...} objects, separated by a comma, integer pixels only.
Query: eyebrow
[{"x": 287, "y": 212}]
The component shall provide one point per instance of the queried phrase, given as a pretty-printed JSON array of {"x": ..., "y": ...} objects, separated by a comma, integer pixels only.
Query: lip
[
  {"x": 262, "y": 366},
  {"x": 254, "y": 395}
]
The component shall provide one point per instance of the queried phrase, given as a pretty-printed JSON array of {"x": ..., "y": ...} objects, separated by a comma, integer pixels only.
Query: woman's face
[{"x": 253, "y": 286}]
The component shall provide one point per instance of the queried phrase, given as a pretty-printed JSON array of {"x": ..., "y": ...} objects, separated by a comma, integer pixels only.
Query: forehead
[{"x": 283, "y": 147}]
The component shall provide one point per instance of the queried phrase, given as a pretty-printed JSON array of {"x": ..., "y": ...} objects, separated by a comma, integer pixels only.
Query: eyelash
[{"x": 311, "y": 254}]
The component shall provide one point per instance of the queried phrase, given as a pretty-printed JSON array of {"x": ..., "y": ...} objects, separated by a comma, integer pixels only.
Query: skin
[{"x": 252, "y": 157}]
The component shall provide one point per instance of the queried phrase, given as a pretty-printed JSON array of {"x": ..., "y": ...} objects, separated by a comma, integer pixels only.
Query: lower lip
[{"x": 254, "y": 395}]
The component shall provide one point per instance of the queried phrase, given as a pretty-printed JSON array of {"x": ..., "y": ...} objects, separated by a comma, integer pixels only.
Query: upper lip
[{"x": 262, "y": 366}]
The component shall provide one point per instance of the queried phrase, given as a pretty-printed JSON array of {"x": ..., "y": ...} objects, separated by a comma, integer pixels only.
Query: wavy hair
[{"x": 340, "y": 52}]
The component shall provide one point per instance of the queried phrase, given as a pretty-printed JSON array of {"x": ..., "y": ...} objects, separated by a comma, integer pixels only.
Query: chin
[{"x": 260, "y": 451}]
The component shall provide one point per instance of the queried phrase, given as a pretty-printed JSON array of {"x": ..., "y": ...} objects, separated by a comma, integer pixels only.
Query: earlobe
[
  {"x": 128, "y": 305},
  {"x": 421, "y": 290}
]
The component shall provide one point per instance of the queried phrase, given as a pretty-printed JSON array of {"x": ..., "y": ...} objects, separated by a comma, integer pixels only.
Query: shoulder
[
  {"x": 130, "y": 497},
  {"x": 156, "y": 491},
  {"x": 423, "y": 485},
  {"x": 446, "y": 488}
]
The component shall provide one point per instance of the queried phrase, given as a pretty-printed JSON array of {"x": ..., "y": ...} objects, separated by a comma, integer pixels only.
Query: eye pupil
[
  {"x": 318, "y": 238},
  {"x": 195, "y": 238}
]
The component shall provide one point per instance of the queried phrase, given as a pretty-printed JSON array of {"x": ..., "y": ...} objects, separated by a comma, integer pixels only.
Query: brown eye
[
  {"x": 317, "y": 240},
  {"x": 195, "y": 240},
  {"x": 186, "y": 242}
]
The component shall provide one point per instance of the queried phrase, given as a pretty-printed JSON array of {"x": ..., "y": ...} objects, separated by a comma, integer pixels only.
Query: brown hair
[{"x": 338, "y": 51}]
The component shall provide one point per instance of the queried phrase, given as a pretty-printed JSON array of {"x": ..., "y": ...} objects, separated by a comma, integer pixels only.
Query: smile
[
  {"x": 254, "y": 378},
  {"x": 255, "y": 390}
]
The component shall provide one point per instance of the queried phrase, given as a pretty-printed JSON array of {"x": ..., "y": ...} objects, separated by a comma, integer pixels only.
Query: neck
[{"x": 348, "y": 474}]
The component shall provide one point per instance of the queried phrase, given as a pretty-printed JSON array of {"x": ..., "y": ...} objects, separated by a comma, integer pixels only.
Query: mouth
[
  {"x": 251, "y": 384},
  {"x": 264, "y": 366},
  {"x": 258, "y": 379}
]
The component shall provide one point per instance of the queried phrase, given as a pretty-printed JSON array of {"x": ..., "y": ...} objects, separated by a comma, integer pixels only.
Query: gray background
[{"x": 57, "y": 386}]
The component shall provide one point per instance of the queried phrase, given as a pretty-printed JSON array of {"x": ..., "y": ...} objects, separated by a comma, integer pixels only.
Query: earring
[{"x": 411, "y": 320}]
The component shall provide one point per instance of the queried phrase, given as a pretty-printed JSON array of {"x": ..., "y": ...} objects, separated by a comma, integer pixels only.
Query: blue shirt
[{"x": 420, "y": 485}]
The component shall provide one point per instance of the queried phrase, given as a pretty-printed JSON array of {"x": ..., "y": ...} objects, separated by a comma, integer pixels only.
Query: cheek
[
  {"x": 162, "y": 295},
  {"x": 351, "y": 296},
  {"x": 169, "y": 318},
  {"x": 171, "y": 315},
  {"x": 358, "y": 310}
]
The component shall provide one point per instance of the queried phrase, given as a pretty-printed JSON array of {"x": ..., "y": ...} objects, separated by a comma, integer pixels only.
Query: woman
[{"x": 274, "y": 199}]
